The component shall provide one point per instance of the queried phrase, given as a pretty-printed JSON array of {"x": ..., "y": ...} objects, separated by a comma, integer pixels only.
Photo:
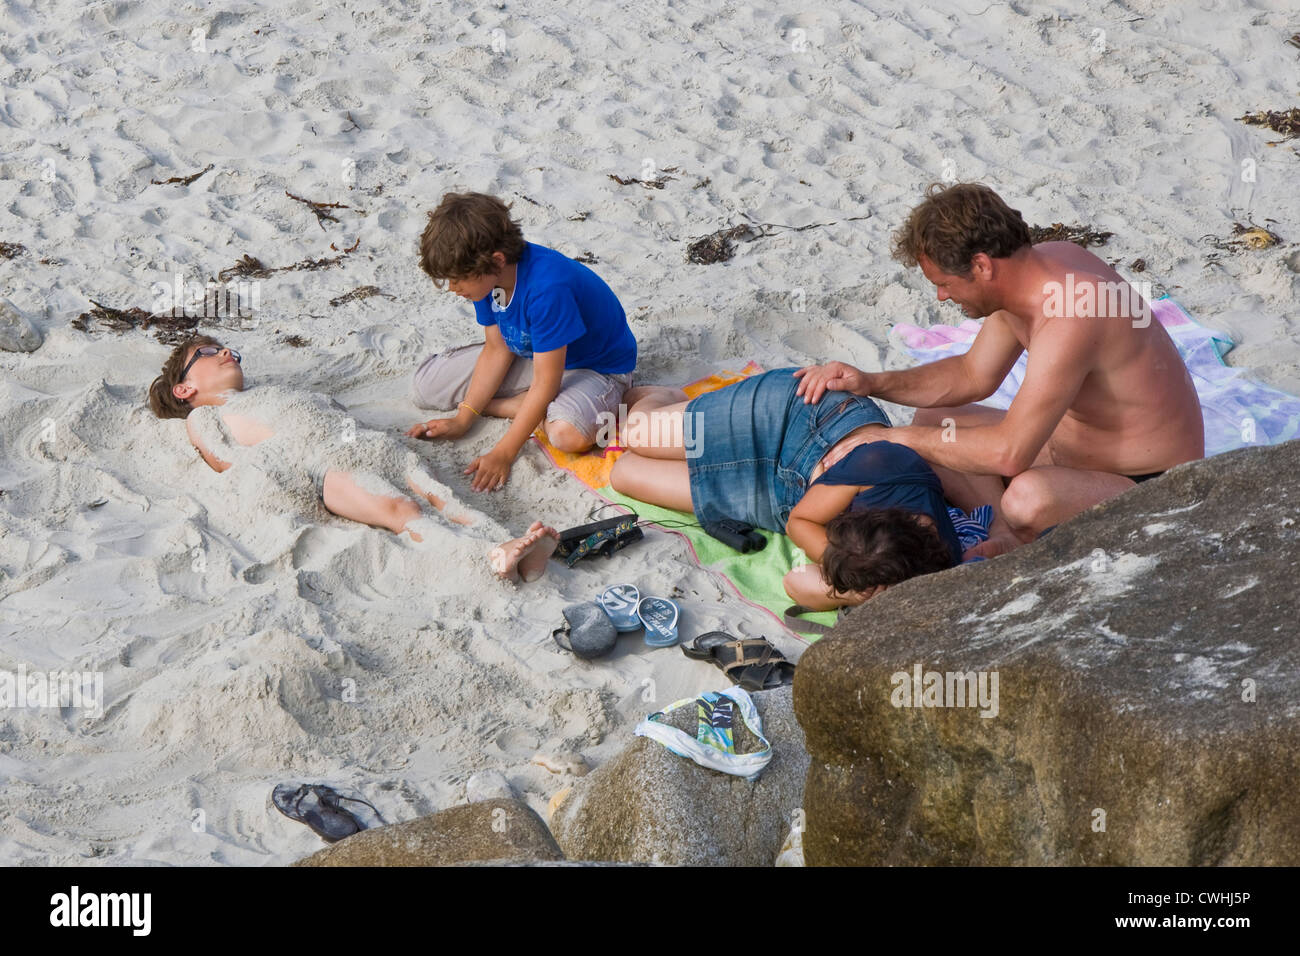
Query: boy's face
[
  {"x": 473, "y": 287},
  {"x": 479, "y": 287},
  {"x": 209, "y": 377}
]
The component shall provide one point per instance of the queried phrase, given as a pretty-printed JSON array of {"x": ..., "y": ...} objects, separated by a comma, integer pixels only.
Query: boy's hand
[
  {"x": 490, "y": 471},
  {"x": 438, "y": 428},
  {"x": 816, "y": 380}
]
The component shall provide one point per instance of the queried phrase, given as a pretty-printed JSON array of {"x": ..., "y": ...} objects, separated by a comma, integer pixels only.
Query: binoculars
[{"x": 736, "y": 534}]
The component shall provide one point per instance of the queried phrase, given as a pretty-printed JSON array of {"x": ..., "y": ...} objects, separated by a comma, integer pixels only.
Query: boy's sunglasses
[{"x": 205, "y": 350}]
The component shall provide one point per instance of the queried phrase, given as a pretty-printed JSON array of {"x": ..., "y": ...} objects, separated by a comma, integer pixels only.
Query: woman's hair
[
  {"x": 463, "y": 233},
  {"x": 865, "y": 549},
  {"x": 955, "y": 222},
  {"x": 161, "y": 399}
]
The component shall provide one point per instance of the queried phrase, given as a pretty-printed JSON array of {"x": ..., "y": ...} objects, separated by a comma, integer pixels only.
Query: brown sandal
[{"x": 752, "y": 663}]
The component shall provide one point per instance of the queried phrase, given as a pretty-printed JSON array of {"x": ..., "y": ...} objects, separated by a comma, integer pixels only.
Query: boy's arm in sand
[
  {"x": 215, "y": 463},
  {"x": 955, "y": 380},
  {"x": 491, "y": 470},
  {"x": 489, "y": 372},
  {"x": 808, "y": 519},
  {"x": 1061, "y": 359}
]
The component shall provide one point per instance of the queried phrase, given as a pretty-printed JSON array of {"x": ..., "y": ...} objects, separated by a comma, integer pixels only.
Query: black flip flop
[
  {"x": 753, "y": 663},
  {"x": 318, "y": 807}
]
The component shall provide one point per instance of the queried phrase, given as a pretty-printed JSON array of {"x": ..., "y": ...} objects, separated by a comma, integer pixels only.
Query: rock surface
[
  {"x": 17, "y": 332},
  {"x": 648, "y": 805},
  {"x": 496, "y": 830},
  {"x": 1148, "y": 664}
]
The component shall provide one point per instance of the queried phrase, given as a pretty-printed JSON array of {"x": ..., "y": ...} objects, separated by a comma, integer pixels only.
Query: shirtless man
[{"x": 1106, "y": 401}]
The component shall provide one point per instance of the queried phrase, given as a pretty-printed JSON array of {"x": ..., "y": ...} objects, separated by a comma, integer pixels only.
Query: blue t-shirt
[
  {"x": 899, "y": 478},
  {"x": 556, "y": 303}
]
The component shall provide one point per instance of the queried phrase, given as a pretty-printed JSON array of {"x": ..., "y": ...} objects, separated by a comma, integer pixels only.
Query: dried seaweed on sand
[
  {"x": 1084, "y": 236},
  {"x": 361, "y": 292},
  {"x": 181, "y": 180}
]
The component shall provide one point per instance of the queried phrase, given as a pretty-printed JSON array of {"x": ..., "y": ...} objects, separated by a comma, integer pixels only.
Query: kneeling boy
[{"x": 557, "y": 346}]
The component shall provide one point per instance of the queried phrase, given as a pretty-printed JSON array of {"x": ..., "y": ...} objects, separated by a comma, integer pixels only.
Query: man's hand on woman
[{"x": 816, "y": 380}]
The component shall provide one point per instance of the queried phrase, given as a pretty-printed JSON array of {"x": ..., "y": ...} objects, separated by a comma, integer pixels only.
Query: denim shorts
[{"x": 758, "y": 442}]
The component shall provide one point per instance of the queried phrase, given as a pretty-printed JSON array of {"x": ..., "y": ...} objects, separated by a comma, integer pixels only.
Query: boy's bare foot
[{"x": 525, "y": 556}]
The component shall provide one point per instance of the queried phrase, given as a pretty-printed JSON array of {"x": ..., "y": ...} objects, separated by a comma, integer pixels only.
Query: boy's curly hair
[
  {"x": 161, "y": 399},
  {"x": 865, "y": 549},
  {"x": 955, "y": 222},
  {"x": 463, "y": 232}
]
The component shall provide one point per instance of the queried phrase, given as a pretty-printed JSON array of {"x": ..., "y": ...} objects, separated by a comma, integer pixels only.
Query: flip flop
[
  {"x": 318, "y": 807},
  {"x": 659, "y": 617},
  {"x": 587, "y": 630},
  {"x": 753, "y": 663},
  {"x": 620, "y": 603}
]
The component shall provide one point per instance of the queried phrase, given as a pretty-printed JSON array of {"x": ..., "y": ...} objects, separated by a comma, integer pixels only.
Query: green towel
[{"x": 757, "y": 575}]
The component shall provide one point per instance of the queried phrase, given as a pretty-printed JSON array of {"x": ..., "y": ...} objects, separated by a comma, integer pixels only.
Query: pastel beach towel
[{"x": 1238, "y": 412}]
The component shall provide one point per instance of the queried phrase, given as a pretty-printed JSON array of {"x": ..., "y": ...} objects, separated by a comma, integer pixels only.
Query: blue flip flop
[
  {"x": 659, "y": 617},
  {"x": 620, "y": 603}
]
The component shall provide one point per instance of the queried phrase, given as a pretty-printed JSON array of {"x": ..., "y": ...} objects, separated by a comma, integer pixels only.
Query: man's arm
[
  {"x": 959, "y": 379},
  {"x": 955, "y": 380},
  {"x": 1062, "y": 356}
]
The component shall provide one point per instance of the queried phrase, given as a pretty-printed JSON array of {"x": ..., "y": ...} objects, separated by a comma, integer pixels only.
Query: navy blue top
[
  {"x": 560, "y": 303},
  {"x": 899, "y": 478}
]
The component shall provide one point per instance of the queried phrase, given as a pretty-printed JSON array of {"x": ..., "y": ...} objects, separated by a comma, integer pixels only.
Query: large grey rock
[
  {"x": 493, "y": 830},
  {"x": 649, "y": 805},
  {"x": 18, "y": 333},
  {"x": 1148, "y": 663}
]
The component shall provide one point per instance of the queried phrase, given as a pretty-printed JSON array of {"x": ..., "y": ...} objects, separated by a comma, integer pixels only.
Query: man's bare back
[{"x": 1136, "y": 411}]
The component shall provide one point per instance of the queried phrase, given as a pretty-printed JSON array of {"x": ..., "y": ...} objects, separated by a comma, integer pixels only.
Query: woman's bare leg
[
  {"x": 654, "y": 425},
  {"x": 653, "y": 480}
]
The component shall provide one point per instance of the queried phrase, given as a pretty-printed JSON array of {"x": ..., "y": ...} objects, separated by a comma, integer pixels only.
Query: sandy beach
[{"x": 245, "y": 638}]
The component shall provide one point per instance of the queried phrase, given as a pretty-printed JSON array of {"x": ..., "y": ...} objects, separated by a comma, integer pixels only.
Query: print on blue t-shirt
[{"x": 560, "y": 303}]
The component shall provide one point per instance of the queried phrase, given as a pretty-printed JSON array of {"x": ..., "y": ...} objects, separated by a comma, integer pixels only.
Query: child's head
[
  {"x": 469, "y": 237},
  {"x": 189, "y": 380},
  {"x": 866, "y": 549}
]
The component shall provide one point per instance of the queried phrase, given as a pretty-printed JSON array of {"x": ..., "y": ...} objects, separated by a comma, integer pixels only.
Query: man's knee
[
  {"x": 567, "y": 437},
  {"x": 1028, "y": 501}
]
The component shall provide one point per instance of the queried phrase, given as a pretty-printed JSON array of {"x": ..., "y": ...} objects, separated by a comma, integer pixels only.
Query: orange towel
[{"x": 592, "y": 467}]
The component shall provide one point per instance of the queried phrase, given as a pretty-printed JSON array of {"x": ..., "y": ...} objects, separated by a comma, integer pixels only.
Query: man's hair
[
  {"x": 955, "y": 222},
  {"x": 161, "y": 399},
  {"x": 865, "y": 549},
  {"x": 463, "y": 232}
]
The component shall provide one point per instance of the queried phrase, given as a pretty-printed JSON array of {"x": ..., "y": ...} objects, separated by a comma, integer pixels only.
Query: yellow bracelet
[{"x": 470, "y": 407}]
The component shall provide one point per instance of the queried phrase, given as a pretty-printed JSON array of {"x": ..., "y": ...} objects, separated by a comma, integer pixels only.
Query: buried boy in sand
[
  {"x": 306, "y": 443},
  {"x": 556, "y": 343},
  {"x": 1106, "y": 400}
]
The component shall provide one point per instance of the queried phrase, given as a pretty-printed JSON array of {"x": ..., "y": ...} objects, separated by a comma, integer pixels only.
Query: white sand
[{"x": 245, "y": 641}]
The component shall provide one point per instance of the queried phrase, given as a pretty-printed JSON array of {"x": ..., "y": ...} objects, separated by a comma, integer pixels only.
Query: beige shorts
[{"x": 442, "y": 381}]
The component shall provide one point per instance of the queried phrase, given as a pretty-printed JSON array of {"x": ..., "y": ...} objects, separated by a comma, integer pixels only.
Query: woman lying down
[
  {"x": 307, "y": 444},
  {"x": 870, "y": 512}
]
